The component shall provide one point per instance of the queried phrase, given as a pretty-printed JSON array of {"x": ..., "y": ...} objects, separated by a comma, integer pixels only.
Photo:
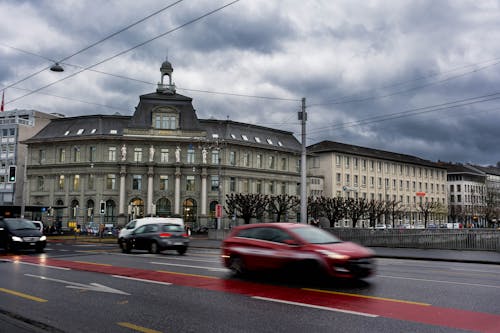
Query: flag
[{"x": 3, "y": 95}]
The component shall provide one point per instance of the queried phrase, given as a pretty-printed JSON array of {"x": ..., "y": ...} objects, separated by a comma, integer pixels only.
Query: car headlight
[
  {"x": 43, "y": 238},
  {"x": 333, "y": 255},
  {"x": 17, "y": 239}
]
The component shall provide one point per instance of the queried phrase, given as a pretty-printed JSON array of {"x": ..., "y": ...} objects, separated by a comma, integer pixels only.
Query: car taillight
[
  {"x": 185, "y": 235},
  {"x": 165, "y": 235}
]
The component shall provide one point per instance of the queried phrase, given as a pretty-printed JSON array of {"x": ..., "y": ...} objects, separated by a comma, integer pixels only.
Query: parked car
[
  {"x": 156, "y": 237},
  {"x": 299, "y": 247},
  {"x": 17, "y": 234}
]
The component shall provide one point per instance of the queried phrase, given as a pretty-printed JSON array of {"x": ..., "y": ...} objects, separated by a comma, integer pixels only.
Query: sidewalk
[{"x": 480, "y": 257}]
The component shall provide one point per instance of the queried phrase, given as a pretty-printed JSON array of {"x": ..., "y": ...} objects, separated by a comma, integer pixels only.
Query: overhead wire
[{"x": 128, "y": 50}]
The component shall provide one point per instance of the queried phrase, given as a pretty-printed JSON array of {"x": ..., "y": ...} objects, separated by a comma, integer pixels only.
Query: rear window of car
[
  {"x": 171, "y": 227},
  {"x": 315, "y": 235},
  {"x": 265, "y": 233}
]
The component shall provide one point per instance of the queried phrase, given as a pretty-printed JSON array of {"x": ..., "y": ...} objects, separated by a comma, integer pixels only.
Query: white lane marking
[
  {"x": 190, "y": 266},
  {"x": 76, "y": 285},
  {"x": 473, "y": 270},
  {"x": 43, "y": 265},
  {"x": 440, "y": 281},
  {"x": 315, "y": 306},
  {"x": 141, "y": 280}
]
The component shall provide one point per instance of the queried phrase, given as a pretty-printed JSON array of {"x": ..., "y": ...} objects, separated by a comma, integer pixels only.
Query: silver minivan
[{"x": 134, "y": 224}]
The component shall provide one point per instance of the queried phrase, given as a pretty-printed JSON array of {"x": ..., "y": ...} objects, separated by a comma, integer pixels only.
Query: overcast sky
[{"x": 413, "y": 77}]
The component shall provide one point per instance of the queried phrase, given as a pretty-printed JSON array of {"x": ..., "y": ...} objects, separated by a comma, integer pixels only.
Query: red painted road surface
[{"x": 359, "y": 304}]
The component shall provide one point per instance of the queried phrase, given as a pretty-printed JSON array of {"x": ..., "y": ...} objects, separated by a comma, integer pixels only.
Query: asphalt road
[{"x": 94, "y": 287}]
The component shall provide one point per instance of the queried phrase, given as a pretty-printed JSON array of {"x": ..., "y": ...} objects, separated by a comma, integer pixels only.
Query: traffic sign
[
  {"x": 218, "y": 211},
  {"x": 420, "y": 194}
]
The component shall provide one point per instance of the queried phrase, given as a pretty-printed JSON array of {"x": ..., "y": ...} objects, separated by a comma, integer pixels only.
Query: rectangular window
[
  {"x": 338, "y": 160},
  {"x": 363, "y": 164},
  {"x": 112, "y": 154},
  {"x": 372, "y": 165},
  {"x": 283, "y": 188},
  {"x": 284, "y": 163},
  {"x": 137, "y": 154},
  {"x": 40, "y": 183},
  {"x": 259, "y": 161},
  {"x": 163, "y": 182},
  {"x": 76, "y": 154},
  {"x": 232, "y": 184},
  {"x": 60, "y": 183},
  {"x": 246, "y": 159},
  {"x": 91, "y": 182},
  {"x": 363, "y": 181},
  {"x": 347, "y": 161},
  {"x": 76, "y": 183},
  {"x": 62, "y": 155},
  {"x": 245, "y": 186},
  {"x": 339, "y": 178},
  {"x": 137, "y": 182},
  {"x": 42, "y": 156},
  {"x": 215, "y": 156},
  {"x": 356, "y": 180},
  {"x": 92, "y": 153},
  {"x": 111, "y": 182},
  {"x": 348, "y": 179},
  {"x": 355, "y": 162},
  {"x": 232, "y": 158},
  {"x": 190, "y": 186},
  {"x": 271, "y": 162},
  {"x": 258, "y": 186},
  {"x": 372, "y": 181},
  {"x": 214, "y": 180},
  {"x": 271, "y": 187},
  {"x": 190, "y": 156},
  {"x": 164, "y": 155}
]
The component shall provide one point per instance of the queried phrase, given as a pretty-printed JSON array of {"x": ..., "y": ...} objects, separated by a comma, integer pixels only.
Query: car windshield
[
  {"x": 315, "y": 235},
  {"x": 19, "y": 224}
]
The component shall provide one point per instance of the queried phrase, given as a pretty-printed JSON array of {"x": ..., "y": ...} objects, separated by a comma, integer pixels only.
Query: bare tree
[
  {"x": 492, "y": 208},
  {"x": 427, "y": 208},
  {"x": 332, "y": 208},
  {"x": 281, "y": 204},
  {"x": 375, "y": 211},
  {"x": 356, "y": 209},
  {"x": 314, "y": 207},
  {"x": 246, "y": 206},
  {"x": 394, "y": 208}
]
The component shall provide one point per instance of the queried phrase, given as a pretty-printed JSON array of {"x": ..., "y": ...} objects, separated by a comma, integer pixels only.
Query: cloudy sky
[{"x": 413, "y": 77}]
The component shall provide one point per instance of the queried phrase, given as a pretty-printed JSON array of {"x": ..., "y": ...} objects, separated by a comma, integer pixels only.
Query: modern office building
[
  {"x": 162, "y": 161},
  {"x": 16, "y": 126},
  {"x": 358, "y": 172}
]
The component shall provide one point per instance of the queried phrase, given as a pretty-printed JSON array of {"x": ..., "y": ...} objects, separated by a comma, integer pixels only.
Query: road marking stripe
[
  {"x": 315, "y": 306},
  {"x": 92, "y": 263},
  {"x": 142, "y": 280},
  {"x": 190, "y": 266},
  {"x": 16, "y": 293},
  {"x": 43, "y": 265},
  {"x": 137, "y": 328},
  {"x": 186, "y": 274},
  {"x": 365, "y": 296},
  {"x": 440, "y": 281}
]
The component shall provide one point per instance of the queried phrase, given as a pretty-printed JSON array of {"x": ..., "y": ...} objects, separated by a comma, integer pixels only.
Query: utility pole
[{"x": 303, "y": 165}]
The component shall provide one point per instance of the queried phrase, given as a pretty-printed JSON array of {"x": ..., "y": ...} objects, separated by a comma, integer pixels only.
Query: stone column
[
  {"x": 123, "y": 175},
  {"x": 150, "y": 190},
  {"x": 177, "y": 190}
]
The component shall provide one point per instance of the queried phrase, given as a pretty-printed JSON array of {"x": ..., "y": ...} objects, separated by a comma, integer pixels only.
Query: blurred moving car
[
  {"x": 134, "y": 224},
  {"x": 299, "y": 247},
  {"x": 39, "y": 225},
  {"x": 156, "y": 237},
  {"x": 17, "y": 234}
]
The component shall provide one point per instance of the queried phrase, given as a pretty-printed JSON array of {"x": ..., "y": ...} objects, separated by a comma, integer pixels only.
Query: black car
[
  {"x": 156, "y": 237},
  {"x": 17, "y": 234}
]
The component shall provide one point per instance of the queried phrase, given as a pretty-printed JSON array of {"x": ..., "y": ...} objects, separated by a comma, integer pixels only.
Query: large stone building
[
  {"x": 162, "y": 160},
  {"x": 16, "y": 126},
  {"x": 359, "y": 172}
]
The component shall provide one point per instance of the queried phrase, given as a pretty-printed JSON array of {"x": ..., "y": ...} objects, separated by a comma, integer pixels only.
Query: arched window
[
  {"x": 212, "y": 209},
  {"x": 73, "y": 211},
  {"x": 89, "y": 213},
  {"x": 163, "y": 207},
  {"x": 190, "y": 210},
  {"x": 109, "y": 215}
]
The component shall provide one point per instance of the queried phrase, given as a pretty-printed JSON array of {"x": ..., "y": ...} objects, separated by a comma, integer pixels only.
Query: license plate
[
  {"x": 177, "y": 243},
  {"x": 32, "y": 243}
]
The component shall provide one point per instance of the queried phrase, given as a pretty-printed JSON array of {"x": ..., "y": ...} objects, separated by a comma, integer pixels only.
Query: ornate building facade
[{"x": 161, "y": 161}]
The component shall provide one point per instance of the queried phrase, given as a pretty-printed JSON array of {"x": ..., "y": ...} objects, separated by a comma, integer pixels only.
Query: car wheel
[
  {"x": 182, "y": 250},
  {"x": 125, "y": 247},
  {"x": 237, "y": 265},
  {"x": 153, "y": 247}
]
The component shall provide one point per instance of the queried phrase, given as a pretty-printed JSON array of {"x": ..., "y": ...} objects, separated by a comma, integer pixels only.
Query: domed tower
[{"x": 166, "y": 69}]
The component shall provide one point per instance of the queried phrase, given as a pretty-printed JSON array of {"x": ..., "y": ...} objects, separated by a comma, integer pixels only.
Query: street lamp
[{"x": 57, "y": 68}]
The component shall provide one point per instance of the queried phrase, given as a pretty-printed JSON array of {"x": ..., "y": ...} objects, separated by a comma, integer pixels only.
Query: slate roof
[{"x": 331, "y": 146}]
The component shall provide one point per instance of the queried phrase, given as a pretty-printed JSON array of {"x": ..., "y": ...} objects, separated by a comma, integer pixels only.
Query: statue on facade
[
  {"x": 178, "y": 154},
  {"x": 124, "y": 152},
  {"x": 204, "y": 155},
  {"x": 151, "y": 153}
]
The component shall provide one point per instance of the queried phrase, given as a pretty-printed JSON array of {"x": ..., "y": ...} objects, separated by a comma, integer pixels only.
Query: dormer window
[{"x": 166, "y": 119}]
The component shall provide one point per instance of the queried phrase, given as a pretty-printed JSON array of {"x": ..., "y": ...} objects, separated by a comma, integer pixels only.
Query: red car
[{"x": 304, "y": 248}]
